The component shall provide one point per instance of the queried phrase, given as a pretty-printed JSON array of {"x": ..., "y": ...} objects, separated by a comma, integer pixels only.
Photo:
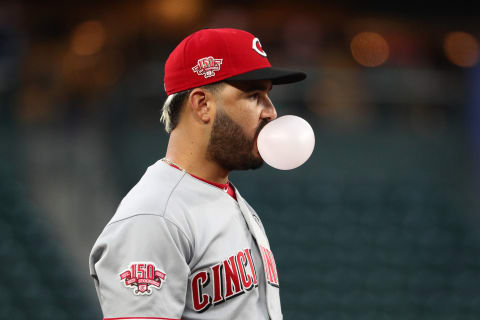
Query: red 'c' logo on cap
[{"x": 258, "y": 47}]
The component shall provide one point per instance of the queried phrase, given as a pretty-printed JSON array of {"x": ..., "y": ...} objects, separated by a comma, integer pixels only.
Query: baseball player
[{"x": 184, "y": 243}]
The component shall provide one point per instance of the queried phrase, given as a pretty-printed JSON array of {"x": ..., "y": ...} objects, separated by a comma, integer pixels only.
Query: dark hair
[{"x": 173, "y": 105}]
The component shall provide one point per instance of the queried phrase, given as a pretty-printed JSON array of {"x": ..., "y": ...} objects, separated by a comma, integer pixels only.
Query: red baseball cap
[{"x": 213, "y": 55}]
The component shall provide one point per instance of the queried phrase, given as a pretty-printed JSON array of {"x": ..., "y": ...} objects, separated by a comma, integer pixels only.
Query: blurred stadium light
[
  {"x": 369, "y": 49},
  {"x": 461, "y": 48}
]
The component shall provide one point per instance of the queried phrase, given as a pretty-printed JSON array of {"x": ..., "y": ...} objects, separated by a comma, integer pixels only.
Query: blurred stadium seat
[{"x": 36, "y": 282}]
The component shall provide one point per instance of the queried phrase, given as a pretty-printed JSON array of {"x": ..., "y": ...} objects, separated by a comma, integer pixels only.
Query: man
[{"x": 183, "y": 243}]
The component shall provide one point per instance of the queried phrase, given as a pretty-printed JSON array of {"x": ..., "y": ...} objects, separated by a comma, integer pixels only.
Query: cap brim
[{"x": 278, "y": 76}]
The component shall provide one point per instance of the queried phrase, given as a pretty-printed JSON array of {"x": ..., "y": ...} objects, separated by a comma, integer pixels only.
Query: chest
[{"x": 219, "y": 231}]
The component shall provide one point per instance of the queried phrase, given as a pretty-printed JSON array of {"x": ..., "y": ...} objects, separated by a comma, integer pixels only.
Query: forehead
[{"x": 251, "y": 85}]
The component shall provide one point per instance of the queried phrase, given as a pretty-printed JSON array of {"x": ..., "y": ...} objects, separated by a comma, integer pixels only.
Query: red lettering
[
  {"x": 217, "y": 283},
  {"x": 205, "y": 63},
  {"x": 265, "y": 265},
  {"x": 160, "y": 274},
  {"x": 247, "y": 281},
  {"x": 141, "y": 269},
  {"x": 248, "y": 253},
  {"x": 150, "y": 271},
  {"x": 201, "y": 301},
  {"x": 134, "y": 272},
  {"x": 231, "y": 276},
  {"x": 272, "y": 259},
  {"x": 270, "y": 267}
]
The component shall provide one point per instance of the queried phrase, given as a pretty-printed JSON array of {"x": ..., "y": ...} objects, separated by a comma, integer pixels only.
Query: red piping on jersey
[
  {"x": 228, "y": 186},
  {"x": 139, "y": 318}
]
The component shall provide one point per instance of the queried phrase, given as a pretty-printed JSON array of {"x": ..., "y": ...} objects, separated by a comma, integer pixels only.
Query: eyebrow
[{"x": 258, "y": 87}]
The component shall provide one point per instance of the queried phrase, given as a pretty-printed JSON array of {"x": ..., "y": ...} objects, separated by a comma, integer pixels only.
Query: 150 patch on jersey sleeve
[{"x": 142, "y": 276}]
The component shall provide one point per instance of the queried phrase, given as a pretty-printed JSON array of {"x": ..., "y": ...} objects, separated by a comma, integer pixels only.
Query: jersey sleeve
[{"x": 140, "y": 268}]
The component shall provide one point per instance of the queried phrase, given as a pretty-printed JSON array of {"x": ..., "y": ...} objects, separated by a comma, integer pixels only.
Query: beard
[{"x": 230, "y": 147}]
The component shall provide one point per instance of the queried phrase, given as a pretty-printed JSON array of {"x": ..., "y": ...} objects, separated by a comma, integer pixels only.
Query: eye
[{"x": 253, "y": 96}]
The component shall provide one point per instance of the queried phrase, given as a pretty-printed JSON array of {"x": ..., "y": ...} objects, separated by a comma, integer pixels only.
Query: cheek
[
  {"x": 248, "y": 118},
  {"x": 252, "y": 128}
]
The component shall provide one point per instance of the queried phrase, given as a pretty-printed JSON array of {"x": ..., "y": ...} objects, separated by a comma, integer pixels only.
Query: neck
[{"x": 189, "y": 152}]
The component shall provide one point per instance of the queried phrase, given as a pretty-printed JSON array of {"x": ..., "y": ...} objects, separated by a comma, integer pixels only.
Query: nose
[{"x": 269, "y": 112}]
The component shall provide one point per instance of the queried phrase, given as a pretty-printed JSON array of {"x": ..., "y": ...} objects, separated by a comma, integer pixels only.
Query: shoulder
[
  {"x": 151, "y": 194},
  {"x": 143, "y": 230},
  {"x": 167, "y": 192},
  {"x": 173, "y": 195},
  {"x": 164, "y": 190}
]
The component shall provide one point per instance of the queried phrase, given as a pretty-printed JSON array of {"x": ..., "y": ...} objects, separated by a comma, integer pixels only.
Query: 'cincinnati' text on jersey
[{"x": 230, "y": 278}]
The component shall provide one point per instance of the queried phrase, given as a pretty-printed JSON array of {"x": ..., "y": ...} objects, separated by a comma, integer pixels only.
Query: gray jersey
[{"x": 180, "y": 248}]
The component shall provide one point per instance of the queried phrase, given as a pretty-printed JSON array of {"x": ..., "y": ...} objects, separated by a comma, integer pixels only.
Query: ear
[{"x": 202, "y": 103}]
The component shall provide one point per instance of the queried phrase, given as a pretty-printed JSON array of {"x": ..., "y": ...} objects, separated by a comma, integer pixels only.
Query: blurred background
[{"x": 381, "y": 223}]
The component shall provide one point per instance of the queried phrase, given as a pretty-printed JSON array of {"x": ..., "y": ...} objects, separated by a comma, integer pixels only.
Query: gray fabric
[{"x": 183, "y": 226}]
